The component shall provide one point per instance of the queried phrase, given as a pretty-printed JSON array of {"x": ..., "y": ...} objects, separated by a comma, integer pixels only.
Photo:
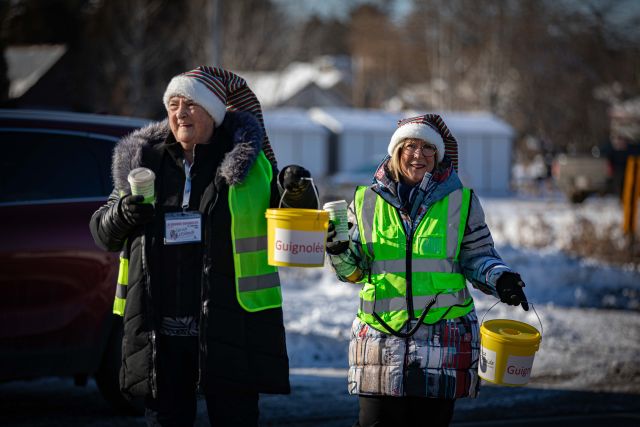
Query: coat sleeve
[
  {"x": 353, "y": 259},
  {"x": 108, "y": 228},
  {"x": 481, "y": 263}
]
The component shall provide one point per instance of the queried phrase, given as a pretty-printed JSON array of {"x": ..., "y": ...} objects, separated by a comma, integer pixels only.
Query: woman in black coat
[{"x": 202, "y": 309}]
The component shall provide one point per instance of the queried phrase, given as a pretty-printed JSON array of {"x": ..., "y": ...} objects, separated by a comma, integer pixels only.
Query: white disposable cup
[
  {"x": 338, "y": 216},
  {"x": 141, "y": 181}
]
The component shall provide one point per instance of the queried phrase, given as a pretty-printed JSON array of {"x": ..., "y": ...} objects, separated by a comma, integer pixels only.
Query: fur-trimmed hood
[{"x": 243, "y": 128}]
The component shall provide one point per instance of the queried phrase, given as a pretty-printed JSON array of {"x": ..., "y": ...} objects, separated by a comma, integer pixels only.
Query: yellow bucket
[
  {"x": 296, "y": 237},
  {"x": 507, "y": 350}
]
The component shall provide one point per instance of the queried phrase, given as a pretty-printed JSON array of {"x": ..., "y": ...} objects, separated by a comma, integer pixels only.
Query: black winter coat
[{"x": 239, "y": 350}]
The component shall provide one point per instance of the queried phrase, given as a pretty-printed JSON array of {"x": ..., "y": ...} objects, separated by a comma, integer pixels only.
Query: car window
[{"x": 53, "y": 165}]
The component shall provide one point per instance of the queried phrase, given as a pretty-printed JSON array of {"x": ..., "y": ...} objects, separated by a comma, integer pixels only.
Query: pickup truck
[{"x": 578, "y": 176}]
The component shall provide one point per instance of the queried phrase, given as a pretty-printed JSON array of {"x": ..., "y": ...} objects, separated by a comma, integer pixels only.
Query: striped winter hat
[
  {"x": 218, "y": 91},
  {"x": 429, "y": 128}
]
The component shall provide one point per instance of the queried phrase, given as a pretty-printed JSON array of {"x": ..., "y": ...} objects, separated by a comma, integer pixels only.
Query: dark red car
[{"x": 56, "y": 286}]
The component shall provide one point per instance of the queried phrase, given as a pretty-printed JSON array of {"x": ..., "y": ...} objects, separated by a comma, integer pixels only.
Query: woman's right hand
[
  {"x": 134, "y": 211},
  {"x": 338, "y": 247}
]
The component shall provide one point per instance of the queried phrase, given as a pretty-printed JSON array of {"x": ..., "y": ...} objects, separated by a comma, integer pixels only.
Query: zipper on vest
[{"x": 409, "y": 273}]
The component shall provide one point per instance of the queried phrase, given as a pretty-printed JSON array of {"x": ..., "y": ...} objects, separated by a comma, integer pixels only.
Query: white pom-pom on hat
[
  {"x": 210, "y": 97},
  {"x": 420, "y": 131}
]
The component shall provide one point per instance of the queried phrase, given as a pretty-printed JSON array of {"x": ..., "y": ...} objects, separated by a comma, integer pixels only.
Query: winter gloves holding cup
[
  {"x": 337, "y": 247},
  {"x": 509, "y": 287},
  {"x": 134, "y": 211}
]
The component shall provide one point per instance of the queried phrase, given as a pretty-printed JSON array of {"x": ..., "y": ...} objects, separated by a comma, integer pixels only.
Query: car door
[{"x": 57, "y": 287}]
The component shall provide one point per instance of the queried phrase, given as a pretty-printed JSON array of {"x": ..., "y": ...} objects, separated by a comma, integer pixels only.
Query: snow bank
[{"x": 585, "y": 342}]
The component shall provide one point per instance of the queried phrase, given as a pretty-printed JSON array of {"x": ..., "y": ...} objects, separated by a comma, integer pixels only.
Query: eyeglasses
[{"x": 426, "y": 150}]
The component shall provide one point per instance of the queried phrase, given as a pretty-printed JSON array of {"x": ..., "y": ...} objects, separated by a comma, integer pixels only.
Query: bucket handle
[
  {"x": 312, "y": 185},
  {"x": 532, "y": 306}
]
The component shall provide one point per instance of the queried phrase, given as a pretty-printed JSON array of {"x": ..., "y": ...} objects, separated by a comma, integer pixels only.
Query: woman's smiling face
[
  {"x": 417, "y": 158},
  {"x": 189, "y": 122}
]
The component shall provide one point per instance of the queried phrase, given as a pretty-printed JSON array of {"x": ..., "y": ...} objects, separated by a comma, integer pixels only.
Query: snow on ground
[
  {"x": 589, "y": 310},
  {"x": 586, "y": 365}
]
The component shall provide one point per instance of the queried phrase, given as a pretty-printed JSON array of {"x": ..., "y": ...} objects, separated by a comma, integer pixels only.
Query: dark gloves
[
  {"x": 335, "y": 248},
  {"x": 134, "y": 212},
  {"x": 296, "y": 190},
  {"x": 294, "y": 181},
  {"x": 509, "y": 287}
]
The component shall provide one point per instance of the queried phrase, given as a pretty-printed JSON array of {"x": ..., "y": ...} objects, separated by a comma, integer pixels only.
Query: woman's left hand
[
  {"x": 509, "y": 287},
  {"x": 295, "y": 179}
]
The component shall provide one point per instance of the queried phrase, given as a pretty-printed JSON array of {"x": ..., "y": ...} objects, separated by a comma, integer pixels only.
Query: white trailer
[
  {"x": 484, "y": 143},
  {"x": 484, "y": 151},
  {"x": 296, "y": 139}
]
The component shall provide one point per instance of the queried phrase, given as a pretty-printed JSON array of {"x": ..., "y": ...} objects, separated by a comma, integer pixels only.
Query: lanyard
[{"x": 186, "y": 194}]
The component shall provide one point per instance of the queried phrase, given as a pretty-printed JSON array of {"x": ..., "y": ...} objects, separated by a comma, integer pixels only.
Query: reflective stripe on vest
[
  {"x": 120, "y": 299},
  {"x": 400, "y": 303},
  {"x": 257, "y": 282},
  {"x": 435, "y": 268},
  {"x": 251, "y": 244},
  {"x": 417, "y": 266}
]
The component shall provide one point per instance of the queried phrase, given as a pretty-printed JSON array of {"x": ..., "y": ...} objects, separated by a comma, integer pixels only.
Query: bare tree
[
  {"x": 258, "y": 36},
  {"x": 132, "y": 48},
  {"x": 323, "y": 37},
  {"x": 376, "y": 56},
  {"x": 533, "y": 62}
]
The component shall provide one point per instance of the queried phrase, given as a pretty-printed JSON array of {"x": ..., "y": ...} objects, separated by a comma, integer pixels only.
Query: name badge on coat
[{"x": 182, "y": 227}]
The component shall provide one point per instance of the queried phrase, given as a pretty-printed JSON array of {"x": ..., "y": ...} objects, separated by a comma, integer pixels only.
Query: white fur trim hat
[
  {"x": 201, "y": 87},
  {"x": 420, "y": 130}
]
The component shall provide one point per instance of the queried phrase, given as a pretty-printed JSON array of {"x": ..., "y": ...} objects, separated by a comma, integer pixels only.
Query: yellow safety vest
[
  {"x": 407, "y": 272},
  {"x": 257, "y": 282}
]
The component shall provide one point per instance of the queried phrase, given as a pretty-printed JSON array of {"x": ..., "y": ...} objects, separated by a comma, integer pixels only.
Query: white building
[
  {"x": 484, "y": 143},
  {"x": 349, "y": 143},
  {"x": 296, "y": 139}
]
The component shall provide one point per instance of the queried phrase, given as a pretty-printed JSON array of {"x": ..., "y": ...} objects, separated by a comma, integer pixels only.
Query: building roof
[
  {"x": 339, "y": 119},
  {"x": 274, "y": 88},
  {"x": 476, "y": 122},
  {"x": 27, "y": 64}
]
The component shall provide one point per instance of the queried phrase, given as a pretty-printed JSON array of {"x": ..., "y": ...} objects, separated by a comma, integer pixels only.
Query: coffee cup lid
[
  {"x": 140, "y": 175},
  {"x": 337, "y": 203}
]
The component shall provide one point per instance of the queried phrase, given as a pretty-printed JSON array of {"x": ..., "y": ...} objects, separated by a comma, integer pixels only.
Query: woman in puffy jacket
[
  {"x": 417, "y": 236},
  {"x": 201, "y": 306}
]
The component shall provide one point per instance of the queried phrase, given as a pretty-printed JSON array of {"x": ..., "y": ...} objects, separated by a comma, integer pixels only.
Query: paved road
[
  {"x": 320, "y": 400},
  {"x": 595, "y": 420}
]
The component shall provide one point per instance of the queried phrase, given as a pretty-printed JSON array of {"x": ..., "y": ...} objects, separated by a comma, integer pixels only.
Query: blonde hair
[{"x": 394, "y": 162}]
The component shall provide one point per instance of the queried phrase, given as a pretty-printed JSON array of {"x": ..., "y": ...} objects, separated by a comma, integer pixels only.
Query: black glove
[
  {"x": 335, "y": 248},
  {"x": 134, "y": 211},
  {"x": 509, "y": 287},
  {"x": 293, "y": 179}
]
